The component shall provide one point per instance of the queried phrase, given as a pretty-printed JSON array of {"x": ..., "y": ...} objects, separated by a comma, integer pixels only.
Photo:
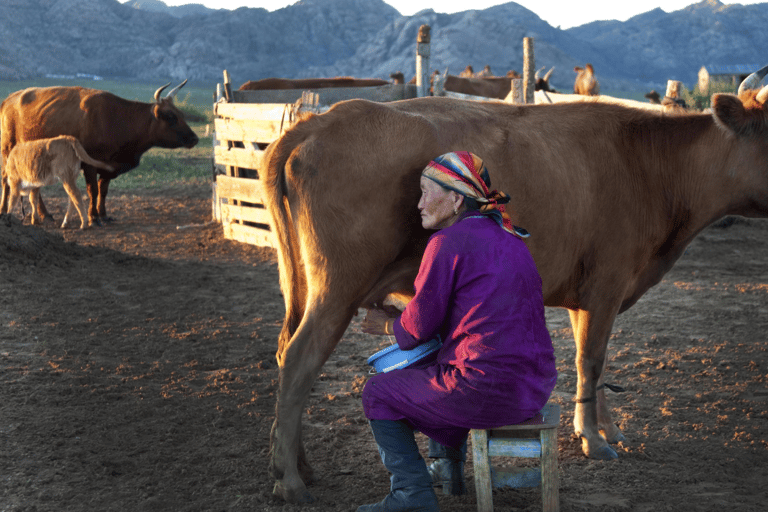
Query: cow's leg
[
  {"x": 13, "y": 197},
  {"x": 5, "y": 197},
  {"x": 35, "y": 205},
  {"x": 591, "y": 329},
  {"x": 75, "y": 203},
  {"x": 300, "y": 363},
  {"x": 101, "y": 206},
  {"x": 92, "y": 187},
  {"x": 39, "y": 205}
]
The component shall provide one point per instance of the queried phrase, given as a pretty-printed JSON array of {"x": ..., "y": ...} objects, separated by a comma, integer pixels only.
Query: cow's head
[
  {"x": 745, "y": 115},
  {"x": 169, "y": 129}
]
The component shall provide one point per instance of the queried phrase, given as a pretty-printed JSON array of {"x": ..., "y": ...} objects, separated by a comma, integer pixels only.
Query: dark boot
[
  {"x": 411, "y": 485},
  {"x": 448, "y": 469}
]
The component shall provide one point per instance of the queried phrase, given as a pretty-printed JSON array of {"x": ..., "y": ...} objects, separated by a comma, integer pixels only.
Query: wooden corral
[{"x": 246, "y": 122}]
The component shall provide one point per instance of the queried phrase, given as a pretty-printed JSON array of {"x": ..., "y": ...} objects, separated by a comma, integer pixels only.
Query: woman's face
[{"x": 437, "y": 205}]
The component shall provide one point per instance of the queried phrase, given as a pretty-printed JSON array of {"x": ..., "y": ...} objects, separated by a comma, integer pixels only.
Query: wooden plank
[
  {"x": 248, "y": 235},
  {"x": 240, "y": 189},
  {"x": 550, "y": 479},
  {"x": 329, "y": 95},
  {"x": 250, "y": 130},
  {"x": 483, "y": 483},
  {"x": 232, "y": 213},
  {"x": 248, "y": 158},
  {"x": 530, "y": 448},
  {"x": 252, "y": 110},
  {"x": 516, "y": 477}
]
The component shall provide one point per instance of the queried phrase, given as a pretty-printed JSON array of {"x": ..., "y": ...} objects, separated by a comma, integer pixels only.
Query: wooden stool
[{"x": 519, "y": 440}]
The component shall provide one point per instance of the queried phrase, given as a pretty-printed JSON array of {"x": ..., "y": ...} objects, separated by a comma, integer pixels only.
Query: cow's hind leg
[
  {"x": 592, "y": 329},
  {"x": 75, "y": 203},
  {"x": 300, "y": 363}
]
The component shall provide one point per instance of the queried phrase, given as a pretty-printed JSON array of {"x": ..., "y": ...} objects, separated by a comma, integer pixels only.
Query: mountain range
[{"x": 148, "y": 40}]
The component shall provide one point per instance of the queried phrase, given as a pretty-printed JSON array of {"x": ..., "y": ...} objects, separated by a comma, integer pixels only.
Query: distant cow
[
  {"x": 397, "y": 77},
  {"x": 654, "y": 97},
  {"x": 485, "y": 73},
  {"x": 569, "y": 188},
  {"x": 111, "y": 129},
  {"x": 586, "y": 84},
  {"x": 495, "y": 87},
  {"x": 270, "y": 84},
  {"x": 35, "y": 164},
  {"x": 468, "y": 72},
  {"x": 542, "y": 83}
]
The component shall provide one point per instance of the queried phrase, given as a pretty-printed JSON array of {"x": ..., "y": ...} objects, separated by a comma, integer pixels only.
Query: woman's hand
[{"x": 375, "y": 321}]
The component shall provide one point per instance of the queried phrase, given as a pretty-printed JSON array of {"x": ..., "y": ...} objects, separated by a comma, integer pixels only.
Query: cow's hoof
[
  {"x": 95, "y": 221},
  {"x": 603, "y": 453},
  {"x": 298, "y": 496}
]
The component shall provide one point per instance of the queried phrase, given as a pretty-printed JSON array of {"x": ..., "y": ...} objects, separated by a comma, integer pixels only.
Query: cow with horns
[
  {"x": 570, "y": 188},
  {"x": 113, "y": 130}
]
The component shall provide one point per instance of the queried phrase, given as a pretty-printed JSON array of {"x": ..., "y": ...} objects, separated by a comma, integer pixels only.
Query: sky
[{"x": 558, "y": 13}]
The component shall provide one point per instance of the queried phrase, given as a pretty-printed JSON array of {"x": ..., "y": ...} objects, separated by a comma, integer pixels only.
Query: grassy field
[{"x": 159, "y": 167}]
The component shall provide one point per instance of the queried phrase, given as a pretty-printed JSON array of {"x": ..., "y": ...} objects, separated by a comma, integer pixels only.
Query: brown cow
[
  {"x": 570, "y": 188},
  {"x": 111, "y": 129},
  {"x": 485, "y": 73},
  {"x": 542, "y": 83},
  {"x": 468, "y": 72},
  {"x": 271, "y": 84},
  {"x": 495, "y": 87},
  {"x": 586, "y": 83},
  {"x": 34, "y": 164}
]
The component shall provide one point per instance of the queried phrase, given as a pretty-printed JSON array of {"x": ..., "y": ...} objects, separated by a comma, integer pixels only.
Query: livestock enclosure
[{"x": 246, "y": 122}]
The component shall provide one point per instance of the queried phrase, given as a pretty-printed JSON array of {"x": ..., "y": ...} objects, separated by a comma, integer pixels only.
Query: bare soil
[{"x": 137, "y": 373}]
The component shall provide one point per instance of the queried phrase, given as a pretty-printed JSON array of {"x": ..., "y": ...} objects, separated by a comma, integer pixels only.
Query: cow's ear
[
  {"x": 730, "y": 114},
  {"x": 164, "y": 115}
]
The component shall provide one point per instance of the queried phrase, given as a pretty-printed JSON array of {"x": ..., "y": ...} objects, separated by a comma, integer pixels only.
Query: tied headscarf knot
[{"x": 466, "y": 174}]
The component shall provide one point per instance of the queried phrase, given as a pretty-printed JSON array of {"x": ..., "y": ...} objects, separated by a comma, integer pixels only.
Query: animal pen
[{"x": 246, "y": 122}]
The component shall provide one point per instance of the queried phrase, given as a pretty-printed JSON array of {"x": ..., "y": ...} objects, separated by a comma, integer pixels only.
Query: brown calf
[{"x": 34, "y": 164}]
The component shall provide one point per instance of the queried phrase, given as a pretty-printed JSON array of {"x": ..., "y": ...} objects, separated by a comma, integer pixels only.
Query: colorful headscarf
[{"x": 466, "y": 174}]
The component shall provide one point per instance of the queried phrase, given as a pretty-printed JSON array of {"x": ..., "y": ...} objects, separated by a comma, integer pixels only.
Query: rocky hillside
[{"x": 146, "y": 39}]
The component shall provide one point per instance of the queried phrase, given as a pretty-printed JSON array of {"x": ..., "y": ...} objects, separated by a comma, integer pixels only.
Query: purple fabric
[{"x": 478, "y": 288}]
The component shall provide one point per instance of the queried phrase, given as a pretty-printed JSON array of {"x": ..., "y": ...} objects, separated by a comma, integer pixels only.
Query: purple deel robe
[{"x": 479, "y": 290}]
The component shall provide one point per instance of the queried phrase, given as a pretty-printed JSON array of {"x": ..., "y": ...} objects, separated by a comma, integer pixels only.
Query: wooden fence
[{"x": 246, "y": 122}]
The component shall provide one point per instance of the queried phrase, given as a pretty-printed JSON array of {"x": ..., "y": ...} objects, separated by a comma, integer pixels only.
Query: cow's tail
[
  {"x": 83, "y": 155},
  {"x": 292, "y": 279}
]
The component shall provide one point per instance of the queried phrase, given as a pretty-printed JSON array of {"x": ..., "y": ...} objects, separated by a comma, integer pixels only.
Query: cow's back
[{"x": 557, "y": 162}]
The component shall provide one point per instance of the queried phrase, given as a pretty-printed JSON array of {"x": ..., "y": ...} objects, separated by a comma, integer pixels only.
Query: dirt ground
[{"x": 137, "y": 373}]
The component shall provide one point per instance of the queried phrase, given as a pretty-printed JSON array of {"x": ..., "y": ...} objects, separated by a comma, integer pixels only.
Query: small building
[{"x": 732, "y": 74}]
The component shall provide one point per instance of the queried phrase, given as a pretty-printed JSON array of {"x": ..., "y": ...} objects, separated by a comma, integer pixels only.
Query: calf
[{"x": 41, "y": 162}]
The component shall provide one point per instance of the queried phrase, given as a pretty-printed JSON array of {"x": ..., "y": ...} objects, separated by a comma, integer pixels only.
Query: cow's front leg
[{"x": 591, "y": 331}]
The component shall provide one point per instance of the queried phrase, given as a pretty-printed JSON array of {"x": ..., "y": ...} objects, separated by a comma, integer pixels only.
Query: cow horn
[
  {"x": 536, "y": 75},
  {"x": 753, "y": 80},
  {"x": 549, "y": 73},
  {"x": 157, "y": 92},
  {"x": 172, "y": 93},
  {"x": 762, "y": 96}
]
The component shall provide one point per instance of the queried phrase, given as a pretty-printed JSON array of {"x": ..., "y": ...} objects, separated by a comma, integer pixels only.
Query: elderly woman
[{"x": 479, "y": 291}]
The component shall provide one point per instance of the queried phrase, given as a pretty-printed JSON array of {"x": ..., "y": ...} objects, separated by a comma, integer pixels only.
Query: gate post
[{"x": 422, "y": 62}]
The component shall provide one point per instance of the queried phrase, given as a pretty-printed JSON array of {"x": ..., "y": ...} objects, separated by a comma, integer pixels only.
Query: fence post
[
  {"x": 674, "y": 87},
  {"x": 517, "y": 91},
  {"x": 529, "y": 69},
  {"x": 422, "y": 62}
]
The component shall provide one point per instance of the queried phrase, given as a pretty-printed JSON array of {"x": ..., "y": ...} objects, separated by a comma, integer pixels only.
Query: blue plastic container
[{"x": 393, "y": 358}]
